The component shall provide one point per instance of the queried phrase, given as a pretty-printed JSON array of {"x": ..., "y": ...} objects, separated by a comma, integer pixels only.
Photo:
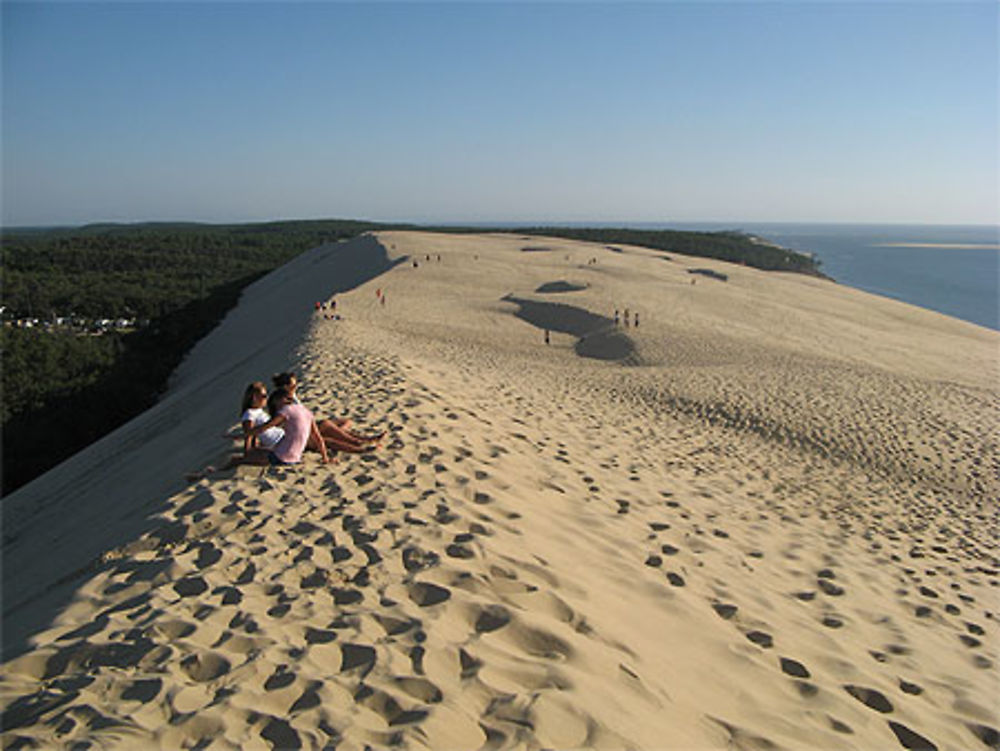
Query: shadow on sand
[{"x": 597, "y": 336}]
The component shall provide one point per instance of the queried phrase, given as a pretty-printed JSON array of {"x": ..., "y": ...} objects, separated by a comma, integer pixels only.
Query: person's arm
[
  {"x": 248, "y": 436},
  {"x": 319, "y": 439},
  {"x": 274, "y": 422}
]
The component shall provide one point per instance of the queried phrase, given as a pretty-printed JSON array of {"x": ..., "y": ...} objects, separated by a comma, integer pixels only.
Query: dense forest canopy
[
  {"x": 65, "y": 386},
  {"x": 147, "y": 270}
]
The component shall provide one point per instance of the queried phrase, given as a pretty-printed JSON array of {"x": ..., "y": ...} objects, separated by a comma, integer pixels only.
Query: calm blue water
[{"x": 964, "y": 283}]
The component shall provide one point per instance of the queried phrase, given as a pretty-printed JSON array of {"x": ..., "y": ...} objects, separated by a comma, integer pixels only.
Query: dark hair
[
  {"x": 273, "y": 401},
  {"x": 281, "y": 380},
  {"x": 248, "y": 394}
]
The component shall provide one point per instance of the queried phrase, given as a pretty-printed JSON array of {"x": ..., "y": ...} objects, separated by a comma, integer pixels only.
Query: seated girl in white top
[
  {"x": 256, "y": 446},
  {"x": 254, "y": 414}
]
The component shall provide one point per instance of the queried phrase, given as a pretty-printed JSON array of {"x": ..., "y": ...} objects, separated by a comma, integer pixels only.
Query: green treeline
[
  {"x": 145, "y": 271},
  {"x": 66, "y": 385}
]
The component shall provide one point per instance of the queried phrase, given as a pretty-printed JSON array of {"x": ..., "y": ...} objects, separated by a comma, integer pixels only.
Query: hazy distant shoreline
[{"x": 941, "y": 246}]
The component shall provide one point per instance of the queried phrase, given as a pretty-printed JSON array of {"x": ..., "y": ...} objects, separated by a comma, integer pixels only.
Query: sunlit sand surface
[{"x": 764, "y": 518}]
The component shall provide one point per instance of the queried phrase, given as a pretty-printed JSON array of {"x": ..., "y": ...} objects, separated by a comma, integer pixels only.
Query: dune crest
[{"x": 773, "y": 525}]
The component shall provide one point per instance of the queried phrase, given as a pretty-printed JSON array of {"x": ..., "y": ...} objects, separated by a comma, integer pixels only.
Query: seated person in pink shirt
[
  {"x": 299, "y": 427},
  {"x": 337, "y": 432}
]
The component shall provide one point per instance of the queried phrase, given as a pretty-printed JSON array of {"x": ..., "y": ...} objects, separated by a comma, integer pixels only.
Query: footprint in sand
[
  {"x": 420, "y": 689},
  {"x": 280, "y": 734},
  {"x": 416, "y": 559},
  {"x": 143, "y": 690},
  {"x": 793, "y": 668},
  {"x": 909, "y": 739},
  {"x": 357, "y": 656},
  {"x": 388, "y": 708},
  {"x": 870, "y": 698},
  {"x": 724, "y": 610},
  {"x": 469, "y": 665},
  {"x": 760, "y": 638},
  {"x": 426, "y": 594},
  {"x": 839, "y": 726},
  {"x": 190, "y": 586},
  {"x": 279, "y": 679},
  {"x": 309, "y": 699},
  {"x": 205, "y": 667},
  {"x": 491, "y": 618},
  {"x": 988, "y": 735}
]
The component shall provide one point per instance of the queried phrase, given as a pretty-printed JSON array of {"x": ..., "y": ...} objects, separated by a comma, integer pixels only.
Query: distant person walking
[{"x": 546, "y": 336}]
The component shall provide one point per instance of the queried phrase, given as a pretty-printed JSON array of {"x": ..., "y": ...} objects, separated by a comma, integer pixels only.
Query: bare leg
[
  {"x": 332, "y": 432},
  {"x": 332, "y": 444},
  {"x": 257, "y": 457},
  {"x": 340, "y": 428},
  {"x": 342, "y": 423}
]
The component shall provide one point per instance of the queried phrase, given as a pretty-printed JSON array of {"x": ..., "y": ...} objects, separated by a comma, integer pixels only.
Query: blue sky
[{"x": 796, "y": 111}]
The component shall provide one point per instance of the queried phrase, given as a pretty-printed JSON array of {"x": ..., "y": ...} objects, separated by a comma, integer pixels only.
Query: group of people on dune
[{"x": 278, "y": 429}]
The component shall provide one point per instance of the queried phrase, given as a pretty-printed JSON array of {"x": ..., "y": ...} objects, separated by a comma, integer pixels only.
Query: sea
[{"x": 953, "y": 269}]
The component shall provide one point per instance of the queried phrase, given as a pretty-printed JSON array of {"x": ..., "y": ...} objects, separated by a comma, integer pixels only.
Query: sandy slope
[{"x": 765, "y": 518}]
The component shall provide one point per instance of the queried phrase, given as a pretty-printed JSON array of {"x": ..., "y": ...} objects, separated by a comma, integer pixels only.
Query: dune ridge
[{"x": 775, "y": 526}]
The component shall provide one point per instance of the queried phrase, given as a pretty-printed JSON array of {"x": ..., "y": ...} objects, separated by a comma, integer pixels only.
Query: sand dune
[{"x": 764, "y": 518}]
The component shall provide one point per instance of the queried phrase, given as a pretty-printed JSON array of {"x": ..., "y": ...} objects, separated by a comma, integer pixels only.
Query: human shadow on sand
[{"x": 597, "y": 336}]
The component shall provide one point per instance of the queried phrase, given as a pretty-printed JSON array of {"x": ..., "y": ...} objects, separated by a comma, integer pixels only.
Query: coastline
[
  {"x": 942, "y": 246},
  {"x": 773, "y": 524}
]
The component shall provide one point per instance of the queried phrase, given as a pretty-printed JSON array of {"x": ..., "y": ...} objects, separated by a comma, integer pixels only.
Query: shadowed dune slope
[{"x": 56, "y": 527}]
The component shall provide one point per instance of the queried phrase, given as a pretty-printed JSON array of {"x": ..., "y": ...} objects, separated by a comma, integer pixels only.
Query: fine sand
[{"x": 765, "y": 518}]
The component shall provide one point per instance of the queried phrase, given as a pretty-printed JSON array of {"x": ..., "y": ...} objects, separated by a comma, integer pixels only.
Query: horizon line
[{"x": 497, "y": 223}]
